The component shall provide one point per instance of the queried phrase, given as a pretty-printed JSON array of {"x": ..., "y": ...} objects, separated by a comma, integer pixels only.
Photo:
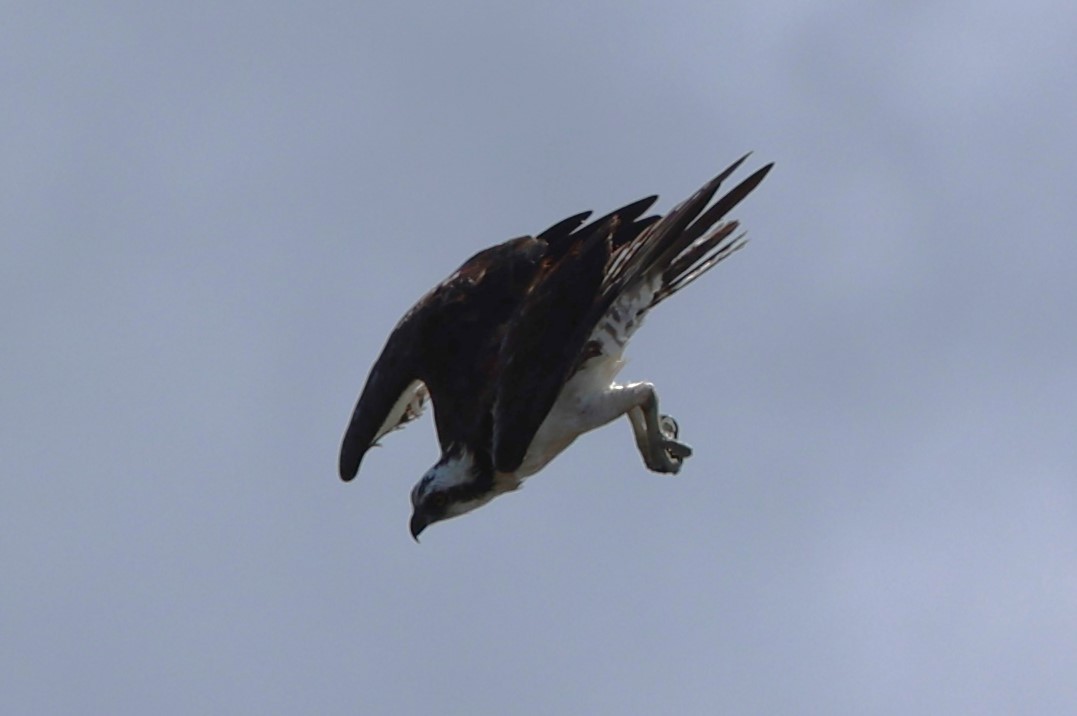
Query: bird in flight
[{"x": 518, "y": 349}]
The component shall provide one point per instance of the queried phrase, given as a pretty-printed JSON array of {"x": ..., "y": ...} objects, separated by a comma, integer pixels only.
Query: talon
[
  {"x": 677, "y": 450},
  {"x": 666, "y": 466},
  {"x": 669, "y": 458},
  {"x": 668, "y": 426}
]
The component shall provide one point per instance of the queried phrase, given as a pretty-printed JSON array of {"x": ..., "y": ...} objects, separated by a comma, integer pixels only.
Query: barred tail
[{"x": 700, "y": 256}]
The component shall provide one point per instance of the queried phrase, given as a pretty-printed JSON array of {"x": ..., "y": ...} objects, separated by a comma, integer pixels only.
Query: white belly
[{"x": 580, "y": 407}]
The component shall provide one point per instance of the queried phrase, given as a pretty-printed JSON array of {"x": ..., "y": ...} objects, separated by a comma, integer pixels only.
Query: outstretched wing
[
  {"x": 392, "y": 376},
  {"x": 541, "y": 347},
  {"x": 538, "y": 349},
  {"x": 447, "y": 344},
  {"x": 644, "y": 260}
]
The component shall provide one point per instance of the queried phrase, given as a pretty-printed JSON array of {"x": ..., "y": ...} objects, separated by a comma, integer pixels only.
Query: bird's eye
[{"x": 436, "y": 502}]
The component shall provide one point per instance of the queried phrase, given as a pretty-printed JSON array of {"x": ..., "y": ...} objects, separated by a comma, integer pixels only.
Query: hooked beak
[{"x": 418, "y": 524}]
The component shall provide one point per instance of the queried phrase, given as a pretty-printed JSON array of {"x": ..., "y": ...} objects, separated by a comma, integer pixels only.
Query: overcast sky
[{"x": 212, "y": 214}]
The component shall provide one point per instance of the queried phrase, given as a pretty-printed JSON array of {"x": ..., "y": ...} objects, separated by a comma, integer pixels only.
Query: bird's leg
[{"x": 656, "y": 434}]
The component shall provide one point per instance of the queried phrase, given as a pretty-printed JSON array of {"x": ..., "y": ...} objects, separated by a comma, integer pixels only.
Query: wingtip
[
  {"x": 565, "y": 226},
  {"x": 756, "y": 177},
  {"x": 744, "y": 158},
  {"x": 713, "y": 184},
  {"x": 761, "y": 172},
  {"x": 348, "y": 466}
]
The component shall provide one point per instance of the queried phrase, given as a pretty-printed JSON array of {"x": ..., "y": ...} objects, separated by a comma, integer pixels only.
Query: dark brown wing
[
  {"x": 390, "y": 376},
  {"x": 565, "y": 234},
  {"x": 542, "y": 342},
  {"x": 547, "y": 336},
  {"x": 540, "y": 349},
  {"x": 449, "y": 340}
]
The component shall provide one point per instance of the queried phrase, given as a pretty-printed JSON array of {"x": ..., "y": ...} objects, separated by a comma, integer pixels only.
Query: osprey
[{"x": 518, "y": 349}]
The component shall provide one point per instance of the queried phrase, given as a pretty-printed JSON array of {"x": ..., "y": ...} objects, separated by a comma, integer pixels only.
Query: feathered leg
[{"x": 574, "y": 415}]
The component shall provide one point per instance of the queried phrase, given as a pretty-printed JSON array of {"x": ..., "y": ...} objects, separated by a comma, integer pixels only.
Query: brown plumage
[{"x": 495, "y": 344}]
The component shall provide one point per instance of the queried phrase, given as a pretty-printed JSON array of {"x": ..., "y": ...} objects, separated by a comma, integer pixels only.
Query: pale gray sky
[{"x": 212, "y": 215}]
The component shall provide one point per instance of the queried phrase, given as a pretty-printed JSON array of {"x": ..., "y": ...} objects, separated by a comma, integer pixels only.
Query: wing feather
[
  {"x": 542, "y": 343},
  {"x": 640, "y": 259},
  {"x": 449, "y": 342},
  {"x": 392, "y": 374}
]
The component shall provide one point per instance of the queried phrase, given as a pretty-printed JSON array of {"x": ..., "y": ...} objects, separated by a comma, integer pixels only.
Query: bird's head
[{"x": 456, "y": 485}]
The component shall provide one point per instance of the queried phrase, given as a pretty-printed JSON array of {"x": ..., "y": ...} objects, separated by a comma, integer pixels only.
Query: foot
[
  {"x": 656, "y": 434},
  {"x": 670, "y": 452}
]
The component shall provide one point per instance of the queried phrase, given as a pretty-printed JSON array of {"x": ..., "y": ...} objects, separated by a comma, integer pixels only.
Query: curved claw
[
  {"x": 677, "y": 449},
  {"x": 667, "y": 454}
]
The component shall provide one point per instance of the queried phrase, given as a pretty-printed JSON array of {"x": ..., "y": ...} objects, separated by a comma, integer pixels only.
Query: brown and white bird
[{"x": 518, "y": 349}]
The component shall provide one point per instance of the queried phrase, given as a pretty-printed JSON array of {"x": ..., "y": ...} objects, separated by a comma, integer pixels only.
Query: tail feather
[
  {"x": 707, "y": 242},
  {"x": 686, "y": 243},
  {"x": 697, "y": 259},
  {"x": 637, "y": 257}
]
